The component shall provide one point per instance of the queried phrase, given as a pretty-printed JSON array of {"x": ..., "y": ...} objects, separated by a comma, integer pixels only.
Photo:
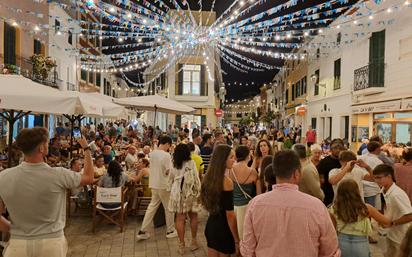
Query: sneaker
[
  {"x": 142, "y": 236},
  {"x": 171, "y": 234},
  {"x": 194, "y": 245},
  {"x": 181, "y": 249}
]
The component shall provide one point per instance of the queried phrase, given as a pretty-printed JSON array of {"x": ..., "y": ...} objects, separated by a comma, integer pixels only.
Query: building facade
[
  {"x": 194, "y": 80},
  {"x": 363, "y": 87}
]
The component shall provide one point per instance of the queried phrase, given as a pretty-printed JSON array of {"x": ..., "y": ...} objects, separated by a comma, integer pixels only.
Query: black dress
[{"x": 217, "y": 232}]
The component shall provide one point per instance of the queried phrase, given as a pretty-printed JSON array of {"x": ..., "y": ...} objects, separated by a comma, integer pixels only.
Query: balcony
[
  {"x": 370, "y": 79},
  {"x": 24, "y": 66}
]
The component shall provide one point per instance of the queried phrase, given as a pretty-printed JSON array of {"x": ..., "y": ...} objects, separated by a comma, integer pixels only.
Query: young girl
[{"x": 351, "y": 218}]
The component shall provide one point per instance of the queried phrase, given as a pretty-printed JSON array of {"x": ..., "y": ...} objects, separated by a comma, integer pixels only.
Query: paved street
[{"x": 108, "y": 242}]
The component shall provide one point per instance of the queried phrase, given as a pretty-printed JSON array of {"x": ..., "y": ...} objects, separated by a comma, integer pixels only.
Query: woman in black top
[{"x": 217, "y": 197}]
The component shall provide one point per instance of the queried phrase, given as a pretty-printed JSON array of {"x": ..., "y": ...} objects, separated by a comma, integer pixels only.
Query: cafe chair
[
  {"x": 115, "y": 215},
  {"x": 142, "y": 201}
]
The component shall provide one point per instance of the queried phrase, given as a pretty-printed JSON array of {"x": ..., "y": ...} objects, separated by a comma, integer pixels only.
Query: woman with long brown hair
[
  {"x": 263, "y": 148},
  {"x": 217, "y": 198},
  {"x": 351, "y": 218},
  {"x": 261, "y": 186}
]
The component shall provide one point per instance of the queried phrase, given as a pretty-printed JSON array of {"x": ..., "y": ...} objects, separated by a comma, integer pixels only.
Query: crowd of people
[{"x": 267, "y": 193}]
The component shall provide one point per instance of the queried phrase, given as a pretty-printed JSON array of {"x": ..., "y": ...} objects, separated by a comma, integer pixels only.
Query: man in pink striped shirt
[{"x": 286, "y": 222}]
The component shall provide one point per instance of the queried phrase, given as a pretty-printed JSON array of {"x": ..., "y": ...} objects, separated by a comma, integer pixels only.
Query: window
[
  {"x": 37, "y": 46},
  {"x": 98, "y": 78},
  {"x": 191, "y": 79},
  {"x": 304, "y": 83},
  {"x": 9, "y": 44},
  {"x": 377, "y": 59},
  {"x": 318, "y": 53},
  {"x": 336, "y": 76},
  {"x": 313, "y": 123},
  {"x": 286, "y": 96},
  {"x": 298, "y": 89},
  {"x": 293, "y": 92},
  {"x": 56, "y": 25},
  {"x": 83, "y": 75},
  {"x": 70, "y": 39},
  {"x": 238, "y": 115},
  {"x": 339, "y": 38},
  {"x": 317, "y": 73},
  {"x": 91, "y": 77}
]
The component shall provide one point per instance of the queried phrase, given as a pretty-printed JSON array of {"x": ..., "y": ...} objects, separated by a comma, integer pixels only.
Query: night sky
[{"x": 258, "y": 78}]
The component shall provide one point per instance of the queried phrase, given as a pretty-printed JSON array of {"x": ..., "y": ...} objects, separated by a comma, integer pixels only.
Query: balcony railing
[
  {"x": 24, "y": 67},
  {"x": 371, "y": 75}
]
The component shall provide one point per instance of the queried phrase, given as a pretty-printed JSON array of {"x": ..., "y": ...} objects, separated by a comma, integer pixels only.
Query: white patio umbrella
[
  {"x": 155, "y": 103},
  {"x": 110, "y": 109},
  {"x": 21, "y": 94}
]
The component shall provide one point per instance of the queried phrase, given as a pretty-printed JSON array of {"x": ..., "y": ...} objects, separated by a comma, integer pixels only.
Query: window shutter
[
  {"x": 9, "y": 44},
  {"x": 180, "y": 80},
  {"x": 203, "y": 84},
  {"x": 178, "y": 121}
]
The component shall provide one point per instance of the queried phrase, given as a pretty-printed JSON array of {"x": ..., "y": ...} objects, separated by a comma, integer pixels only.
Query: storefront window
[
  {"x": 403, "y": 115},
  {"x": 382, "y": 116},
  {"x": 403, "y": 133},
  {"x": 384, "y": 130}
]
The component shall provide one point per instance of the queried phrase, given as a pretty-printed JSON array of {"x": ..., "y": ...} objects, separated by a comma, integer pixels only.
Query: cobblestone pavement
[{"x": 109, "y": 242}]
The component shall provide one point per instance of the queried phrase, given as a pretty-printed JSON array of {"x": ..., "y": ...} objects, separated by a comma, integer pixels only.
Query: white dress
[{"x": 184, "y": 188}]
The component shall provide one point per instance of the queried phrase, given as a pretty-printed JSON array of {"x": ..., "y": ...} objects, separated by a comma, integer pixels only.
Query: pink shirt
[
  {"x": 286, "y": 222},
  {"x": 403, "y": 176}
]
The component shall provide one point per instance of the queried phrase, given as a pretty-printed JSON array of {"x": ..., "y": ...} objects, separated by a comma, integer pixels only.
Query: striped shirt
[{"x": 206, "y": 154}]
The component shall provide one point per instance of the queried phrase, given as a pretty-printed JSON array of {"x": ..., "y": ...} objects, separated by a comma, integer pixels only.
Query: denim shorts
[{"x": 353, "y": 246}]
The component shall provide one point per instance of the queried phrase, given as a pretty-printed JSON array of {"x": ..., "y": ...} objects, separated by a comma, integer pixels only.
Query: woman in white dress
[{"x": 185, "y": 190}]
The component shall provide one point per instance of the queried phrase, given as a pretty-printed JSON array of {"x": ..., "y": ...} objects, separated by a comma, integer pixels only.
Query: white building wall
[
  {"x": 398, "y": 66},
  {"x": 59, "y": 48}
]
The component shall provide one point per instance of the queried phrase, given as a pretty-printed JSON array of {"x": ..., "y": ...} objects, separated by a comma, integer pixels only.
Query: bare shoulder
[{"x": 227, "y": 184}]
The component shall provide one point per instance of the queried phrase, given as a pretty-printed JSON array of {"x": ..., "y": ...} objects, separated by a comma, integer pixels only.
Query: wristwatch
[{"x": 86, "y": 148}]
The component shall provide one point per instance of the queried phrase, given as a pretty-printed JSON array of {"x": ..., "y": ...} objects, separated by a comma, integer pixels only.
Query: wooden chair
[
  {"x": 116, "y": 215},
  {"x": 142, "y": 201}
]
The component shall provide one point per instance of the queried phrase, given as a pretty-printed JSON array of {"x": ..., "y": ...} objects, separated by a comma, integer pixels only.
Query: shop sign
[
  {"x": 377, "y": 107},
  {"x": 407, "y": 104},
  {"x": 301, "y": 110}
]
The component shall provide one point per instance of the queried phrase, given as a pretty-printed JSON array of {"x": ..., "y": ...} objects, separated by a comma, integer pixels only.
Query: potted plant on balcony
[{"x": 42, "y": 66}]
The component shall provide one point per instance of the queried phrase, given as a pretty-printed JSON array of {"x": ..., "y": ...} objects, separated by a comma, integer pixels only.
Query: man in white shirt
[
  {"x": 131, "y": 157},
  {"x": 35, "y": 196},
  {"x": 398, "y": 208},
  {"x": 371, "y": 189},
  {"x": 160, "y": 167},
  {"x": 351, "y": 169}
]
